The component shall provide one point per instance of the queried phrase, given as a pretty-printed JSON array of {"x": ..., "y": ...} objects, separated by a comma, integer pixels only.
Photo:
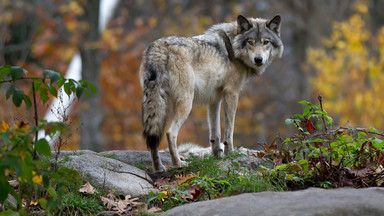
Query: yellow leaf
[
  {"x": 183, "y": 179},
  {"x": 34, "y": 203},
  {"x": 38, "y": 179},
  {"x": 4, "y": 127},
  {"x": 164, "y": 192}
]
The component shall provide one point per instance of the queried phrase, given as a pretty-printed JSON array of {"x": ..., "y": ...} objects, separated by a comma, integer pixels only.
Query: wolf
[{"x": 208, "y": 69}]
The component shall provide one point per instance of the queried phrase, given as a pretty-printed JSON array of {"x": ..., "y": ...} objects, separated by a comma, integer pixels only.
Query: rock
[
  {"x": 63, "y": 154},
  {"x": 253, "y": 163},
  {"x": 111, "y": 174},
  {"x": 140, "y": 159},
  {"x": 313, "y": 201},
  {"x": 108, "y": 213}
]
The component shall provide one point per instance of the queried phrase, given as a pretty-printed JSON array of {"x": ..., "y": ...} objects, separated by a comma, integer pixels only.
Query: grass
[
  {"x": 242, "y": 180},
  {"x": 209, "y": 178},
  {"x": 74, "y": 203}
]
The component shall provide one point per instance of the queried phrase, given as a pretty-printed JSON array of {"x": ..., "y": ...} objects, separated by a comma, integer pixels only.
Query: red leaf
[{"x": 308, "y": 124}]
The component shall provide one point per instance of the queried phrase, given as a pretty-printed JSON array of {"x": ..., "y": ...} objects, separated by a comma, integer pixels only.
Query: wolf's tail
[{"x": 155, "y": 101}]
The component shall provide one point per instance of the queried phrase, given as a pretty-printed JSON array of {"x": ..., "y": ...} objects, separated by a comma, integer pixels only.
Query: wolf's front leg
[
  {"x": 214, "y": 128},
  {"x": 230, "y": 106}
]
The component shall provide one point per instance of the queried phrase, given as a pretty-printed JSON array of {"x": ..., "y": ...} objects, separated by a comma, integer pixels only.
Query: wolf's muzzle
[{"x": 258, "y": 60}]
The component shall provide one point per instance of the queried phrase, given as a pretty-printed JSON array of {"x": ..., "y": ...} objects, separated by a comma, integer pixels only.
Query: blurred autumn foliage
[
  {"x": 40, "y": 34},
  {"x": 350, "y": 71}
]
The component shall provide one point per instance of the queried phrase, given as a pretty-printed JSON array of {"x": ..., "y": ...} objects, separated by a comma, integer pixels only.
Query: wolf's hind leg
[
  {"x": 214, "y": 128},
  {"x": 182, "y": 109}
]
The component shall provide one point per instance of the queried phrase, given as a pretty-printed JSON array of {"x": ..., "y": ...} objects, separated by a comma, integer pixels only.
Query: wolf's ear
[
  {"x": 274, "y": 24},
  {"x": 242, "y": 24}
]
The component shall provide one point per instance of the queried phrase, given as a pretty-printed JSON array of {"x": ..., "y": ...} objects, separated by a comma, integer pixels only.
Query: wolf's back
[{"x": 155, "y": 82}]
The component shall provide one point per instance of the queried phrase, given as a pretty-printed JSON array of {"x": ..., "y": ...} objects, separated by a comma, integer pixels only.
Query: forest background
[{"x": 332, "y": 48}]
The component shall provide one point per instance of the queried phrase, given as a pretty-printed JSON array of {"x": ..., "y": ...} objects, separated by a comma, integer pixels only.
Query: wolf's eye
[
  {"x": 250, "y": 42},
  {"x": 266, "y": 42}
]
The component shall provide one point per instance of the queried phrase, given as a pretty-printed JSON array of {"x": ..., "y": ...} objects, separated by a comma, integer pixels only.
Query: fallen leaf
[
  {"x": 87, "y": 188},
  {"x": 360, "y": 172},
  {"x": 182, "y": 179},
  {"x": 122, "y": 207},
  {"x": 154, "y": 209},
  {"x": 109, "y": 202},
  {"x": 14, "y": 183},
  {"x": 111, "y": 195},
  {"x": 195, "y": 192}
]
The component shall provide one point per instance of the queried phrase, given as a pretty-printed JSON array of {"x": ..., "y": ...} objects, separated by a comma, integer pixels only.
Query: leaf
[
  {"x": 61, "y": 82},
  {"x": 289, "y": 121},
  {"x": 52, "y": 90},
  {"x": 5, "y": 70},
  {"x": 308, "y": 124},
  {"x": 181, "y": 179},
  {"x": 110, "y": 203},
  {"x": 52, "y": 192},
  {"x": 43, "y": 147},
  {"x": 305, "y": 103},
  {"x": 10, "y": 92},
  {"x": 53, "y": 75},
  {"x": 14, "y": 183},
  {"x": 154, "y": 209},
  {"x": 38, "y": 179},
  {"x": 17, "y": 72},
  {"x": 4, "y": 189},
  {"x": 37, "y": 85},
  {"x": 92, "y": 87},
  {"x": 79, "y": 91},
  {"x": 67, "y": 88},
  {"x": 17, "y": 97},
  {"x": 4, "y": 127},
  {"x": 43, "y": 203},
  {"x": 27, "y": 100},
  {"x": 361, "y": 172},
  {"x": 87, "y": 188},
  {"x": 44, "y": 95}
]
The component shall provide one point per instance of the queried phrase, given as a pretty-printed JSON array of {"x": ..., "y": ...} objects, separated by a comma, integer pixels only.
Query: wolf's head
[{"x": 258, "y": 42}]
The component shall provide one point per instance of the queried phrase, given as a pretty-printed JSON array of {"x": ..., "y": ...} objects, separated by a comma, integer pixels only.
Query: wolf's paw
[
  {"x": 184, "y": 163},
  {"x": 218, "y": 151},
  {"x": 161, "y": 168},
  {"x": 180, "y": 163}
]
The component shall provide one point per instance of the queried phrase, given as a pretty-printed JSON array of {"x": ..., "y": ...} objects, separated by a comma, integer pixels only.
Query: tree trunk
[{"x": 91, "y": 112}]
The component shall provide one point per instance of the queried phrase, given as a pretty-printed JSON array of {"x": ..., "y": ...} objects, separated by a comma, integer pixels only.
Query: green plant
[
  {"x": 322, "y": 156},
  {"x": 207, "y": 178},
  {"x": 20, "y": 146}
]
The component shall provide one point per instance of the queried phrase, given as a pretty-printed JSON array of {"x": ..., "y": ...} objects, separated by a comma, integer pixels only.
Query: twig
[
  {"x": 36, "y": 118},
  {"x": 320, "y": 98},
  {"x": 363, "y": 130},
  {"x": 24, "y": 78}
]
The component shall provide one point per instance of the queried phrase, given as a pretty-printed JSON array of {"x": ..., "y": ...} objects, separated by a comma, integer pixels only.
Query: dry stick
[
  {"x": 364, "y": 130},
  {"x": 36, "y": 118},
  {"x": 320, "y": 98}
]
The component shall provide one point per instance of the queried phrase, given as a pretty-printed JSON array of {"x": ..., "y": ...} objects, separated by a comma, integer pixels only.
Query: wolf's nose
[{"x": 258, "y": 60}]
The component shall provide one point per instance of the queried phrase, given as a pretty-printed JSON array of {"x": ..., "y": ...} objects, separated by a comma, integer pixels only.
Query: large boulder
[
  {"x": 111, "y": 174},
  {"x": 313, "y": 201},
  {"x": 140, "y": 159}
]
